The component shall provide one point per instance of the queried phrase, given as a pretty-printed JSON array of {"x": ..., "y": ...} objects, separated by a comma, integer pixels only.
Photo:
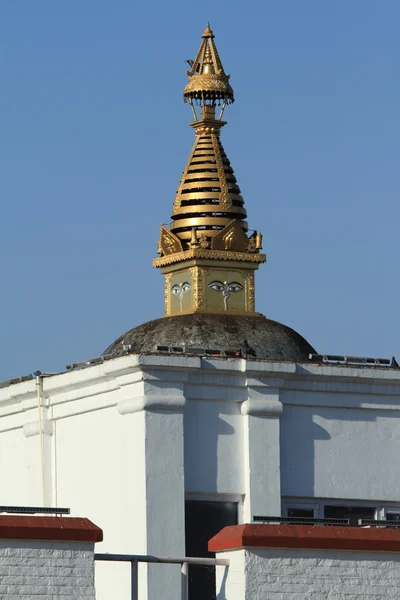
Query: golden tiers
[{"x": 208, "y": 197}]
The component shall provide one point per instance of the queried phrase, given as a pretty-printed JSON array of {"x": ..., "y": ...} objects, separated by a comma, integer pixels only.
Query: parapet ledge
[
  {"x": 267, "y": 366},
  {"x": 385, "y": 375},
  {"x": 167, "y": 360},
  {"x": 306, "y": 537},
  {"x": 65, "y": 529}
]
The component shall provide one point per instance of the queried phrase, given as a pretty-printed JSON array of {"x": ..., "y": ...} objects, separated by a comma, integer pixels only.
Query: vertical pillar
[
  {"x": 40, "y": 449},
  {"x": 261, "y": 412},
  {"x": 156, "y": 411}
]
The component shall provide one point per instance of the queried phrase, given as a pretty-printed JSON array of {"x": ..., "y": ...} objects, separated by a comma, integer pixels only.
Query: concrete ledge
[
  {"x": 151, "y": 402},
  {"x": 66, "y": 529},
  {"x": 306, "y": 536},
  {"x": 31, "y": 429},
  {"x": 262, "y": 407}
]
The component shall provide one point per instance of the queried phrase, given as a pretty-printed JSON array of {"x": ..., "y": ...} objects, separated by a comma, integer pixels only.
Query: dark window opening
[
  {"x": 392, "y": 516},
  {"x": 353, "y": 513},
  {"x": 300, "y": 512},
  {"x": 203, "y": 520}
]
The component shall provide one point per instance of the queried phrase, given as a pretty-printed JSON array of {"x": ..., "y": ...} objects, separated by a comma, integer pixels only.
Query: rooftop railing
[{"x": 184, "y": 562}]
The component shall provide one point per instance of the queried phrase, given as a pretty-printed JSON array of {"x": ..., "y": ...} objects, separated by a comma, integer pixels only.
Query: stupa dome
[{"x": 252, "y": 335}]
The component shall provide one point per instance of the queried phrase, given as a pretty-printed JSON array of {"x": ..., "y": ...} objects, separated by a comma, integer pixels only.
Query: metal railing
[
  {"x": 135, "y": 559},
  {"x": 300, "y": 521}
]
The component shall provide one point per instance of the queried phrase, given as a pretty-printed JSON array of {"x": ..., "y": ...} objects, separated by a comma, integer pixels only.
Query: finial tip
[{"x": 208, "y": 31}]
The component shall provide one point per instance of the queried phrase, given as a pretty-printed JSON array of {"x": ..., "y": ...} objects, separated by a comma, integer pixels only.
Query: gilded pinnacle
[
  {"x": 208, "y": 198},
  {"x": 207, "y": 32},
  {"x": 206, "y": 254},
  {"x": 207, "y": 78},
  {"x": 208, "y": 211}
]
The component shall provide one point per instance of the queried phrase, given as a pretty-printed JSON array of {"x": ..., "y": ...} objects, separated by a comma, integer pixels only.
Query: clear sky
[{"x": 94, "y": 137}]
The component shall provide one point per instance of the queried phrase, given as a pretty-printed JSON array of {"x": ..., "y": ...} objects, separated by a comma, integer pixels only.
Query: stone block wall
[
  {"x": 283, "y": 562},
  {"x": 49, "y": 558}
]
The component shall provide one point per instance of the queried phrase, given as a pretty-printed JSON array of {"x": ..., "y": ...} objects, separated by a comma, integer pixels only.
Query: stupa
[{"x": 208, "y": 254}]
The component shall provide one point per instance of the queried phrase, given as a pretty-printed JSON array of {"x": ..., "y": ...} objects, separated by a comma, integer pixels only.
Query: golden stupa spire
[{"x": 208, "y": 219}]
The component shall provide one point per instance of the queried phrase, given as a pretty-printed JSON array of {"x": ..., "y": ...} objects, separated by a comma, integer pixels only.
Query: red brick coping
[
  {"x": 306, "y": 536},
  {"x": 65, "y": 529}
]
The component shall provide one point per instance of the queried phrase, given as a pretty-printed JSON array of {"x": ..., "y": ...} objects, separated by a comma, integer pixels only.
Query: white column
[
  {"x": 261, "y": 412},
  {"x": 40, "y": 449},
  {"x": 156, "y": 411}
]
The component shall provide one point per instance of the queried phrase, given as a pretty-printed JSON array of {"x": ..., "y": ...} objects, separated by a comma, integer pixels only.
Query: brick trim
[
  {"x": 66, "y": 529},
  {"x": 306, "y": 536}
]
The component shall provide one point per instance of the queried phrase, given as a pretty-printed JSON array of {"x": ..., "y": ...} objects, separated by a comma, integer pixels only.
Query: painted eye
[
  {"x": 185, "y": 287},
  {"x": 235, "y": 286},
  {"x": 218, "y": 286},
  {"x": 175, "y": 289}
]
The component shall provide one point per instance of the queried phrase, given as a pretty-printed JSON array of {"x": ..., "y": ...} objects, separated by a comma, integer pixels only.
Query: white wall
[
  {"x": 124, "y": 441},
  {"x": 340, "y": 446},
  {"x": 20, "y": 470},
  {"x": 214, "y": 448},
  {"x": 46, "y": 570},
  {"x": 101, "y": 472},
  {"x": 257, "y": 574}
]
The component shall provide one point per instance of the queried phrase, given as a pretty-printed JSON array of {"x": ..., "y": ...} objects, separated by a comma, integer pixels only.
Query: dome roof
[{"x": 254, "y": 335}]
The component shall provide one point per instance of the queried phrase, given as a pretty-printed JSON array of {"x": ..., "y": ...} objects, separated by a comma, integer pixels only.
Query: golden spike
[
  {"x": 219, "y": 69},
  {"x": 208, "y": 66},
  {"x": 207, "y": 33}
]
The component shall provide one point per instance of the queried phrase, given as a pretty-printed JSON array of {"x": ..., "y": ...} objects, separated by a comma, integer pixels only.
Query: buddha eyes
[
  {"x": 180, "y": 288},
  {"x": 218, "y": 286},
  {"x": 232, "y": 286}
]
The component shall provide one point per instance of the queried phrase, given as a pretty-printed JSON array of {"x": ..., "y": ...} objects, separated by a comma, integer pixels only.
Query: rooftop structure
[
  {"x": 208, "y": 255},
  {"x": 211, "y": 415}
]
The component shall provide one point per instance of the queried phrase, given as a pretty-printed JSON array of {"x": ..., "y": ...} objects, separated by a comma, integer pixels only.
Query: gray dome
[{"x": 255, "y": 336}]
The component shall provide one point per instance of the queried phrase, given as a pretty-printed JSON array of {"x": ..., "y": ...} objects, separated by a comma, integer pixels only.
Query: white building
[{"x": 212, "y": 405}]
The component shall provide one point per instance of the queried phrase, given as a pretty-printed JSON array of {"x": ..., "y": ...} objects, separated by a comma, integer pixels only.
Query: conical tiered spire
[
  {"x": 208, "y": 213},
  {"x": 208, "y": 197}
]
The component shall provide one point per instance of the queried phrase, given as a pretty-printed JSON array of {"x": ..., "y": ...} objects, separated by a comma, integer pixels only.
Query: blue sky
[{"x": 94, "y": 137}]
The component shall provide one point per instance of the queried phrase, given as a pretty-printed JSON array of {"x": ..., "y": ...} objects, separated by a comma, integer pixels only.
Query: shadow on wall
[
  {"x": 205, "y": 425},
  {"x": 301, "y": 433},
  {"x": 221, "y": 590}
]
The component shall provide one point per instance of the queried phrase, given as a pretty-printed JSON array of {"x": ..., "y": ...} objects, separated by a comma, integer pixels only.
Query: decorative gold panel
[
  {"x": 179, "y": 290},
  {"x": 168, "y": 242},
  {"x": 225, "y": 290},
  {"x": 231, "y": 238}
]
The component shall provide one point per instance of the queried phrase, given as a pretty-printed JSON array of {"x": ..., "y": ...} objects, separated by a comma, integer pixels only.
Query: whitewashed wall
[
  {"x": 124, "y": 440},
  {"x": 214, "y": 448},
  {"x": 257, "y": 574},
  {"x": 341, "y": 444}
]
